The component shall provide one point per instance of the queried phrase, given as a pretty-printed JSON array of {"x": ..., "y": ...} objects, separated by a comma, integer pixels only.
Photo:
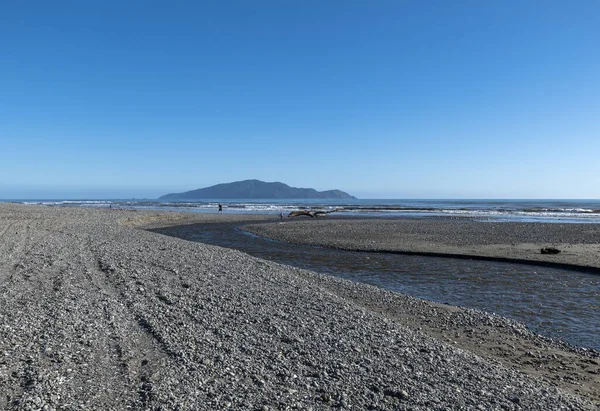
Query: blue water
[{"x": 564, "y": 211}]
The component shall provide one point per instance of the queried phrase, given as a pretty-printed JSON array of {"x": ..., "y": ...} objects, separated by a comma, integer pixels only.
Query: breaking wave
[{"x": 503, "y": 210}]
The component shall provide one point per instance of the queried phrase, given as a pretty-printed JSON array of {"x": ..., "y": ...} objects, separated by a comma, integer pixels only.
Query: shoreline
[
  {"x": 493, "y": 241},
  {"x": 97, "y": 312},
  {"x": 483, "y": 342},
  {"x": 192, "y": 233}
]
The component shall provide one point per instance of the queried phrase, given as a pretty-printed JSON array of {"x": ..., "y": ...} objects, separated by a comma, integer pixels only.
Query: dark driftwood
[
  {"x": 549, "y": 250},
  {"x": 309, "y": 213}
]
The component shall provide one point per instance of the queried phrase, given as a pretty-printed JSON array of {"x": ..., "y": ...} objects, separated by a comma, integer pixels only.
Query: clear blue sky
[{"x": 383, "y": 99}]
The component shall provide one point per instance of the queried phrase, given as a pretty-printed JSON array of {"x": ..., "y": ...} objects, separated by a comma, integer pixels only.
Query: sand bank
[
  {"x": 579, "y": 244},
  {"x": 96, "y": 313}
]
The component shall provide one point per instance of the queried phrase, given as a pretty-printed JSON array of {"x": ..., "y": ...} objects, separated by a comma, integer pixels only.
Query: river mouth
[{"x": 555, "y": 302}]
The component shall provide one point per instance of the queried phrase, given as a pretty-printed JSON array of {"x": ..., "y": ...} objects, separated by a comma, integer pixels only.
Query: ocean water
[{"x": 563, "y": 211}]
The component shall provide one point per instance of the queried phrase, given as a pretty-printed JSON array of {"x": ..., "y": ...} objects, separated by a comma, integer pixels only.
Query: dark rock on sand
[{"x": 549, "y": 250}]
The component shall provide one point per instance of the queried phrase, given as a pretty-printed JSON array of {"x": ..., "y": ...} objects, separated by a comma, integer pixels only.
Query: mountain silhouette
[{"x": 255, "y": 189}]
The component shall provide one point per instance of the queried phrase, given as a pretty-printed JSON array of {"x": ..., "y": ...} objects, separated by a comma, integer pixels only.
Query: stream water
[{"x": 555, "y": 302}]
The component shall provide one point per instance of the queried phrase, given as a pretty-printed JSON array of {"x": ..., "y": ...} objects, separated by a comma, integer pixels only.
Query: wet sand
[{"x": 97, "y": 313}]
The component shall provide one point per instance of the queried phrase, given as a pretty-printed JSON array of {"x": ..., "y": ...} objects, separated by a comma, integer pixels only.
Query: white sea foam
[{"x": 504, "y": 210}]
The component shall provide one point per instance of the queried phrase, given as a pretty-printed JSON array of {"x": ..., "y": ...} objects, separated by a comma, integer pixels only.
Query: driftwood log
[{"x": 311, "y": 214}]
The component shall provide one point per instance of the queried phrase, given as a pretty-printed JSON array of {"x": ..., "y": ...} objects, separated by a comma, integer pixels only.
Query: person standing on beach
[{"x": 220, "y": 208}]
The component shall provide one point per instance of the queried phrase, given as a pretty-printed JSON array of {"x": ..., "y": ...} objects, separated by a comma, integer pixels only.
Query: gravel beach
[
  {"x": 579, "y": 244},
  {"x": 98, "y": 313}
]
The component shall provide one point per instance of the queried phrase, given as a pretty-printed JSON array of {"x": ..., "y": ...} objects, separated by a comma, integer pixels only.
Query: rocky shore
[{"x": 97, "y": 313}]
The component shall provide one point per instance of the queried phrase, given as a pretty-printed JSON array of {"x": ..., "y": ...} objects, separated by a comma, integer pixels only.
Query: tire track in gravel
[
  {"x": 81, "y": 321},
  {"x": 19, "y": 250},
  {"x": 6, "y": 228},
  {"x": 27, "y": 308},
  {"x": 4, "y": 245},
  {"x": 41, "y": 226},
  {"x": 12, "y": 246},
  {"x": 138, "y": 349},
  {"x": 8, "y": 240},
  {"x": 36, "y": 253},
  {"x": 84, "y": 315}
]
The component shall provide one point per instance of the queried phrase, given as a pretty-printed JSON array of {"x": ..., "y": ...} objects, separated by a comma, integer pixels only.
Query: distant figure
[
  {"x": 281, "y": 214},
  {"x": 220, "y": 208}
]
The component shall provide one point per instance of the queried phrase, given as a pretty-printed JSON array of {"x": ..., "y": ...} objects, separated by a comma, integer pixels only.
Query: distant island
[{"x": 255, "y": 189}]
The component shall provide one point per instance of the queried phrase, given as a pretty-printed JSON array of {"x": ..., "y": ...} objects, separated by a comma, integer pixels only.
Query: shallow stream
[{"x": 555, "y": 302}]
